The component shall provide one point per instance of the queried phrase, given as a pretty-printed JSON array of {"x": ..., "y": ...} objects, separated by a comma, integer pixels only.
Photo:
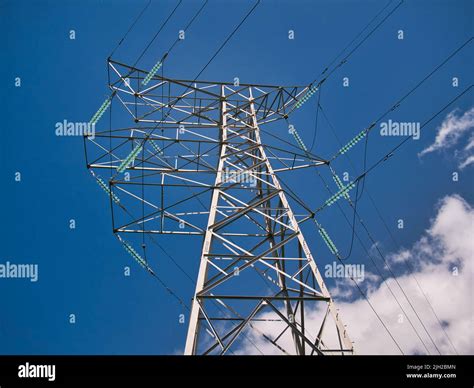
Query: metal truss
[{"x": 202, "y": 169}]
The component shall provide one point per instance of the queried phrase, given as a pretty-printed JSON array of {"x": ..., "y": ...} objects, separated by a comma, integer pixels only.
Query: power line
[
  {"x": 345, "y": 59},
  {"x": 411, "y": 271},
  {"x": 412, "y": 90},
  {"x": 375, "y": 312},
  {"x": 410, "y": 268},
  {"x": 187, "y": 27},
  {"x": 362, "y": 176},
  {"x": 206, "y": 65},
  {"x": 396, "y": 105},
  {"x": 227, "y": 40},
  {"x": 316, "y": 121},
  {"x": 173, "y": 45},
  {"x": 373, "y": 262},
  {"x": 374, "y": 243},
  {"x": 130, "y": 28},
  {"x": 381, "y": 160},
  {"x": 162, "y": 283},
  {"x": 111, "y": 97},
  {"x": 158, "y": 32},
  {"x": 390, "y": 154},
  {"x": 174, "y": 261},
  {"x": 169, "y": 289},
  {"x": 357, "y": 36}
]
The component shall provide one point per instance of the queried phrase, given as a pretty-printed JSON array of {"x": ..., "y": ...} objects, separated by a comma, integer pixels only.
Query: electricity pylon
[{"x": 193, "y": 163}]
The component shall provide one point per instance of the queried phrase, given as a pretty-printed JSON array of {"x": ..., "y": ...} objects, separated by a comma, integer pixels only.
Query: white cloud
[
  {"x": 468, "y": 161},
  {"x": 450, "y": 131},
  {"x": 470, "y": 144},
  {"x": 468, "y": 156},
  {"x": 446, "y": 246}
]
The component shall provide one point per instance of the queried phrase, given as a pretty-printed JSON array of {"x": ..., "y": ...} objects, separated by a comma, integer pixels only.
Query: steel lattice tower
[{"x": 192, "y": 143}]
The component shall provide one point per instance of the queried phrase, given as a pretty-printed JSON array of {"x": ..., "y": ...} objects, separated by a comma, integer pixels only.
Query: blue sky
[{"x": 81, "y": 270}]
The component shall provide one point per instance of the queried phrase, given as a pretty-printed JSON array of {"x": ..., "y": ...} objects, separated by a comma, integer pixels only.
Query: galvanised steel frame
[{"x": 201, "y": 143}]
